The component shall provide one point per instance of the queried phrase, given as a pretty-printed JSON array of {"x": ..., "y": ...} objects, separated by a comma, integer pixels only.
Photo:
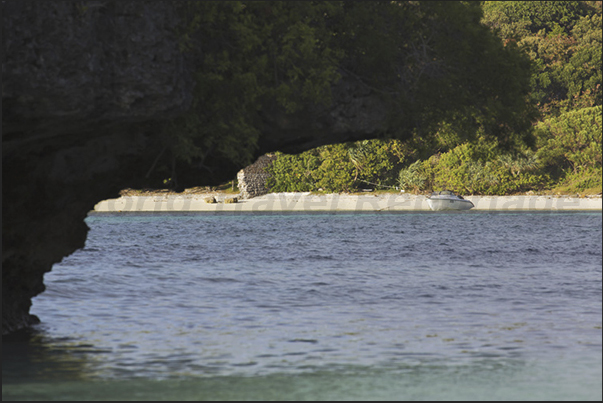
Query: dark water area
[{"x": 407, "y": 306}]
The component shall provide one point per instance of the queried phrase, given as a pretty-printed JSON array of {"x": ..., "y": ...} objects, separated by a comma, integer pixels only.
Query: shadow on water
[
  {"x": 37, "y": 367},
  {"x": 30, "y": 355}
]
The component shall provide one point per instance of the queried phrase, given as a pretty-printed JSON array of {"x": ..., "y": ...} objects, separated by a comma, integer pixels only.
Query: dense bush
[
  {"x": 294, "y": 173},
  {"x": 415, "y": 177},
  {"x": 339, "y": 167},
  {"x": 474, "y": 169},
  {"x": 588, "y": 180},
  {"x": 570, "y": 146},
  {"x": 571, "y": 141}
]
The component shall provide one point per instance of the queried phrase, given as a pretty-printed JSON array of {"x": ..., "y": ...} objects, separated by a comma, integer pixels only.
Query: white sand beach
[{"x": 307, "y": 202}]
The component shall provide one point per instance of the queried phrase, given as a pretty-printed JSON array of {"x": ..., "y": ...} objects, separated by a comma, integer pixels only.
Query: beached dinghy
[{"x": 447, "y": 200}]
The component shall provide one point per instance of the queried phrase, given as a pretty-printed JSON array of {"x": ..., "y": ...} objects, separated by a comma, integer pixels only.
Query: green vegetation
[
  {"x": 339, "y": 167},
  {"x": 473, "y": 147},
  {"x": 443, "y": 76},
  {"x": 480, "y": 97},
  {"x": 563, "y": 40},
  {"x": 474, "y": 169},
  {"x": 570, "y": 149},
  {"x": 248, "y": 54}
]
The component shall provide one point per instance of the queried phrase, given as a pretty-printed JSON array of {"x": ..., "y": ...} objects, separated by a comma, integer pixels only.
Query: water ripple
[{"x": 154, "y": 294}]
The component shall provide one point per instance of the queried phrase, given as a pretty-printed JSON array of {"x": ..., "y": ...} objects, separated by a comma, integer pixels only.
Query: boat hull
[{"x": 449, "y": 204}]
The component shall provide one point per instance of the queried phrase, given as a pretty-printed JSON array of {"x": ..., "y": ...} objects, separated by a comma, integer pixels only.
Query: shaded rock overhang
[{"x": 85, "y": 86}]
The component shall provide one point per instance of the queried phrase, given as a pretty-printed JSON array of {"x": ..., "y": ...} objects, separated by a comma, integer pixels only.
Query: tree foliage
[
  {"x": 571, "y": 142},
  {"x": 460, "y": 80},
  {"x": 437, "y": 64},
  {"x": 247, "y": 53},
  {"x": 518, "y": 19},
  {"x": 433, "y": 63},
  {"x": 563, "y": 39}
]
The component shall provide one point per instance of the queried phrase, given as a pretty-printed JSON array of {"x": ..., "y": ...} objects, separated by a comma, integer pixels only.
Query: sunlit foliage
[
  {"x": 563, "y": 39},
  {"x": 339, "y": 167},
  {"x": 570, "y": 146}
]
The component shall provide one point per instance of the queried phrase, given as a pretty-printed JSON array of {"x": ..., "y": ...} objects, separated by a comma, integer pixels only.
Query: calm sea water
[{"x": 413, "y": 306}]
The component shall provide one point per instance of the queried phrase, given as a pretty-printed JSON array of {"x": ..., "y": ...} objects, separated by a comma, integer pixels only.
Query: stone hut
[{"x": 252, "y": 179}]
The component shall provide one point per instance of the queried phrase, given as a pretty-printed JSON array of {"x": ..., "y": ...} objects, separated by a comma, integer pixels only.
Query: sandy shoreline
[{"x": 306, "y": 202}]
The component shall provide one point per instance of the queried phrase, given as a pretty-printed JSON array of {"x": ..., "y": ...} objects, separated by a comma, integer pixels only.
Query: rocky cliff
[
  {"x": 85, "y": 86},
  {"x": 82, "y": 84}
]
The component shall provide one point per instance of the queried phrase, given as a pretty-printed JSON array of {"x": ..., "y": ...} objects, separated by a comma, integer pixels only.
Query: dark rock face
[
  {"x": 82, "y": 85},
  {"x": 85, "y": 85},
  {"x": 76, "y": 64}
]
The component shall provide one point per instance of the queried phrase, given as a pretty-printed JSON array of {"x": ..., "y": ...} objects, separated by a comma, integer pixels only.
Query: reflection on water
[
  {"x": 32, "y": 355},
  {"x": 62, "y": 370},
  {"x": 308, "y": 307}
]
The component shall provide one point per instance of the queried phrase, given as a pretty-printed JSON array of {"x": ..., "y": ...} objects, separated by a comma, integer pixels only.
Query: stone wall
[{"x": 252, "y": 179}]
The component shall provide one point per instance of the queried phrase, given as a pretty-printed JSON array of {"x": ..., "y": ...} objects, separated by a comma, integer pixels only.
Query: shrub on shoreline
[{"x": 338, "y": 167}]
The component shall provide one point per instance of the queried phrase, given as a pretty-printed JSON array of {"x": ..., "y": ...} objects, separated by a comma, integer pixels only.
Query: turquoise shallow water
[{"x": 421, "y": 306}]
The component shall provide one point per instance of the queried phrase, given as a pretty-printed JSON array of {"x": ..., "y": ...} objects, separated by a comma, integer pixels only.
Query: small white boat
[{"x": 447, "y": 200}]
